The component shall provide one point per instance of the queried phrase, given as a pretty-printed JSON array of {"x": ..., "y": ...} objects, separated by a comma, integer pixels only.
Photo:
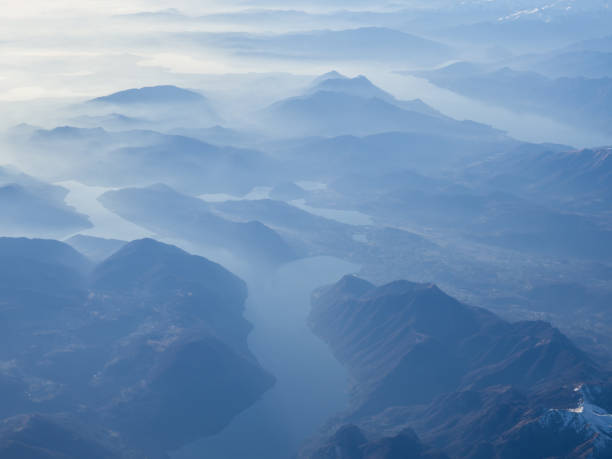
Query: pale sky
[{"x": 79, "y": 49}]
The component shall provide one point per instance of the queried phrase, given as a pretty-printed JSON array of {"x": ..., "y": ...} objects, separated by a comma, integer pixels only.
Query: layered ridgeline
[
  {"x": 140, "y": 107},
  {"x": 167, "y": 212},
  {"x": 132, "y": 357},
  {"x": 564, "y": 178},
  {"x": 469, "y": 383},
  {"x": 190, "y": 165},
  {"x": 336, "y": 105},
  {"x": 573, "y": 100}
]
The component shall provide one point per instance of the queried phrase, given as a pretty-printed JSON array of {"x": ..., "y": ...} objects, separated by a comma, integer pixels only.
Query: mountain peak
[
  {"x": 354, "y": 285},
  {"x": 333, "y": 75},
  {"x": 358, "y": 86}
]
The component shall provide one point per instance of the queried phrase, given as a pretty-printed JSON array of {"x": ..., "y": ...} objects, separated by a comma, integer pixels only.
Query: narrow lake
[{"x": 311, "y": 385}]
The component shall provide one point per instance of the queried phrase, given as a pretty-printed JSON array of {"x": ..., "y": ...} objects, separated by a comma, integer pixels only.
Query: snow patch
[{"x": 587, "y": 418}]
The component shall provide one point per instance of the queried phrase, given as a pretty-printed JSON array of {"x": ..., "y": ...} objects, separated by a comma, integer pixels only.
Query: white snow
[{"x": 587, "y": 418}]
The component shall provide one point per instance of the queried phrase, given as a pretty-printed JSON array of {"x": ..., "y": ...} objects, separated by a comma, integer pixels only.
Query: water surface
[{"x": 311, "y": 385}]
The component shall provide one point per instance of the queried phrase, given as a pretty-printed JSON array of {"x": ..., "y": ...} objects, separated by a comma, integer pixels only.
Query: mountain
[
  {"x": 325, "y": 159},
  {"x": 349, "y": 442},
  {"x": 54, "y": 437},
  {"x": 167, "y": 212},
  {"x": 578, "y": 100},
  {"x": 71, "y": 133},
  {"x": 467, "y": 381},
  {"x": 335, "y": 105},
  {"x": 38, "y": 210},
  {"x": 331, "y": 75},
  {"x": 155, "y": 107},
  {"x": 309, "y": 234},
  {"x": 496, "y": 218},
  {"x": 566, "y": 177},
  {"x": 550, "y": 26},
  {"x": 12, "y": 176},
  {"x": 110, "y": 121},
  {"x": 152, "y": 95},
  {"x": 218, "y": 135},
  {"x": 190, "y": 165},
  {"x": 573, "y": 64},
  {"x": 146, "y": 351},
  {"x": 334, "y": 113},
  {"x": 143, "y": 157},
  {"x": 152, "y": 269},
  {"x": 362, "y": 87}
]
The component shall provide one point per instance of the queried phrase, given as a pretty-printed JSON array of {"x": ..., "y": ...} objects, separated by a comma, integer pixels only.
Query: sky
[{"x": 78, "y": 49}]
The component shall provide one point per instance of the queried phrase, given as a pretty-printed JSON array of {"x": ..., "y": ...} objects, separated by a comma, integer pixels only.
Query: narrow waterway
[
  {"x": 311, "y": 385},
  {"x": 106, "y": 224}
]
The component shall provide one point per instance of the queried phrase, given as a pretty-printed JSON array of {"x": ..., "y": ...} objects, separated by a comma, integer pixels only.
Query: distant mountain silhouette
[
  {"x": 186, "y": 163},
  {"x": 519, "y": 28},
  {"x": 341, "y": 106},
  {"x": 577, "y": 100},
  {"x": 12, "y": 176},
  {"x": 167, "y": 212},
  {"x": 574, "y": 64},
  {"x": 152, "y": 95},
  {"x": 112, "y": 121},
  {"x": 362, "y": 87},
  {"x": 363, "y": 43},
  {"x": 153, "y": 107}
]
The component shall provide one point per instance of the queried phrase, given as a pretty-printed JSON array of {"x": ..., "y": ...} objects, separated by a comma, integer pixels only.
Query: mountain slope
[
  {"x": 34, "y": 208},
  {"x": 567, "y": 177},
  {"x": 26, "y": 213},
  {"x": 150, "y": 346},
  {"x": 333, "y": 113},
  {"x": 152, "y": 95},
  {"x": 167, "y": 212},
  {"x": 362, "y": 87},
  {"x": 578, "y": 100},
  {"x": 142, "y": 157},
  {"x": 464, "y": 379},
  {"x": 334, "y": 105}
]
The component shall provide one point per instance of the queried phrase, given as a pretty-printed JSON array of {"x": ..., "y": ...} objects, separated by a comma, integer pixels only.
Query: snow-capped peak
[{"x": 587, "y": 418}]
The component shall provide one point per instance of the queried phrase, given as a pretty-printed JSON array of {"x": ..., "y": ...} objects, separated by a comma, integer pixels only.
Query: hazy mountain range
[
  {"x": 212, "y": 246},
  {"x": 335, "y": 105}
]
